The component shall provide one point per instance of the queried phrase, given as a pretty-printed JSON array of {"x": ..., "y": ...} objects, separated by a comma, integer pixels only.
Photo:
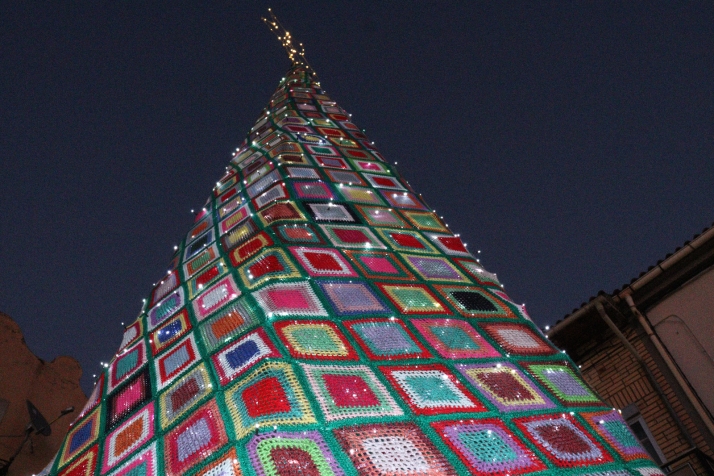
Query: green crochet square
[
  {"x": 488, "y": 445},
  {"x": 454, "y": 338},
  {"x": 563, "y": 383}
]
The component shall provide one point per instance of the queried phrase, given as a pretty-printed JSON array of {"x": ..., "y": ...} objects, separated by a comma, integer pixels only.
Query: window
[{"x": 638, "y": 426}]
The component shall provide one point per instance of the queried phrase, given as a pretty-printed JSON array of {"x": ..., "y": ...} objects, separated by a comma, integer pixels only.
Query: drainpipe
[
  {"x": 648, "y": 373},
  {"x": 694, "y": 400}
]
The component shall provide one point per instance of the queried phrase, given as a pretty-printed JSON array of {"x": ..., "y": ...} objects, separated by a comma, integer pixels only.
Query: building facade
[{"x": 648, "y": 350}]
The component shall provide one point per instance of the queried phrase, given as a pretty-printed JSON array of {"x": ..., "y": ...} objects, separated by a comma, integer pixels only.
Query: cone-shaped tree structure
[{"x": 320, "y": 319}]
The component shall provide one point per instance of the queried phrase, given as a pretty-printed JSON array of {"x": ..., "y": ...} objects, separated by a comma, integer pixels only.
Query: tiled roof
[{"x": 679, "y": 249}]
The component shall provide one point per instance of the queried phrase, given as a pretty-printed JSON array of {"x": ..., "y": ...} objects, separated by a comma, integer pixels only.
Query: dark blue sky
[{"x": 572, "y": 143}]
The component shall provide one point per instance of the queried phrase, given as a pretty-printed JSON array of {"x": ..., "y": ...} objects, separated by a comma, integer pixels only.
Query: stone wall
[{"x": 50, "y": 386}]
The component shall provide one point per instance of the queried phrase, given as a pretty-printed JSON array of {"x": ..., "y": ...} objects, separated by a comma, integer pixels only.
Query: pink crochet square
[
  {"x": 379, "y": 265},
  {"x": 129, "y": 396},
  {"x": 289, "y": 298}
]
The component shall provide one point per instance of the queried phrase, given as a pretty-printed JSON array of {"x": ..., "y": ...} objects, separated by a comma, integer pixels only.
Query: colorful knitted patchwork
[
  {"x": 143, "y": 463},
  {"x": 241, "y": 355},
  {"x": 652, "y": 471},
  {"x": 393, "y": 448},
  {"x": 306, "y": 173},
  {"x": 325, "y": 262},
  {"x": 230, "y": 201},
  {"x": 289, "y": 158},
  {"x": 183, "y": 395},
  {"x": 344, "y": 236},
  {"x": 94, "y": 398},
  {"x": 126, "y": 364},
  {"x": 315, "y": 340},
  {"x": 285, "y": 453},
  {"x": 225, "y": 188},
  {"x": 228, "y": 323},
  {"x": 205, "y": 257},
  {"x": 505, "y": 386},
  {"x": 449, "y": 244},
  {"x": 380, "y": 181},
  {"x": 313, "y": 190},
  {"x": 349, "y": 392},
  {"x": 130, "y": 435},
  {"x": 215, "y": 297},
  {"x": 249, "y": 247},
  {"x": 132, "y": 333},
  {"x": 194, "y": 439},
  {"x": 380, "y": 216},
  {"x": 413, "y": 299},
  {"x": 406, "y": 241},
  {"x": 234, "y": 219},
  {"x": 359, "y": 195},
  {"x": 176, "y": 361},
  {"x": 259, "y": 182},
  {"x": 488, "y": 447},
  {"x": 330, "y": 212},
  {"x": 563, "y": 440},
  {"x": 206, "y": 277},
  {"x": 268, "y": 266},
  {"x": 289, "y": 299},
  {"x": 478, "y": 272},
  {"x": 269, "y": 395},
  {"x": 165, "y": 286},
  {"x": 277, "y": 192},
  {"x": 225, "y": 465},
  {"x": 239, "y": 234},
  {"x": 402, "y": 200},
  {"x": 424, "y": 220},
  {"x": 434, "y": 268},
  {"x": 303, "y": 233},
  {"x": 349, "y": 298},
  {"x": 170, "y": 331},
  {"x": 454, "y": 339},
  {"x": 333, "y": 162},
  {"x": 194, "y": 247},
  {"x": 369, "y": 166},
  {"x": 83, "y": 466},
  {"x": 124, "y": 400},
  {"x": 613, "y": 429},
  {"x": 386, "y": 339},
  {"x": 431, "y": 389},
  {"x": 80, "y": 437},
  {"x": 608, "y": 473},
  {"x": 518, "y": 339},
  {"x": 564, "y": 384},
  {"x": 234, "y": 211},
  {"x": 379, "y": 265},
  {"x": 205, "y": 224},
  {"x": 318, "y": 318},
  {"x": 475, "y": 302}
]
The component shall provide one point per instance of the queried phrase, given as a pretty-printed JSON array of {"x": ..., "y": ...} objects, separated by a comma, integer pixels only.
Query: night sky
[{"x": 571, "y": 142}]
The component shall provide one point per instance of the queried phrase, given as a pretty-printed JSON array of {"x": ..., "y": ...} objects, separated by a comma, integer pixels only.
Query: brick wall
[{"x": 620, "y": 380}]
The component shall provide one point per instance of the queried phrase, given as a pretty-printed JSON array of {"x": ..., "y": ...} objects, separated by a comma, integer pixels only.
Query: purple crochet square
[{"x": 349, "y": 298}]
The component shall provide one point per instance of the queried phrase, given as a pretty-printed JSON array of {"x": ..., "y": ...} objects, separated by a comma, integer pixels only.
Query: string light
[{"x": 296, "y": 56}]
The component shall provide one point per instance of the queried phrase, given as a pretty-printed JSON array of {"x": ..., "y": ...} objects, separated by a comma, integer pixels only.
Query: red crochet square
[
  {"x": 351, "y": 236},
  {"x": 350, "y": 391},
  {"x": 269, "y": 390}
]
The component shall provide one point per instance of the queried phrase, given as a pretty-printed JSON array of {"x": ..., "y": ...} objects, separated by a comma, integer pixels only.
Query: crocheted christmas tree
[{"x": 320, "y": 319}]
